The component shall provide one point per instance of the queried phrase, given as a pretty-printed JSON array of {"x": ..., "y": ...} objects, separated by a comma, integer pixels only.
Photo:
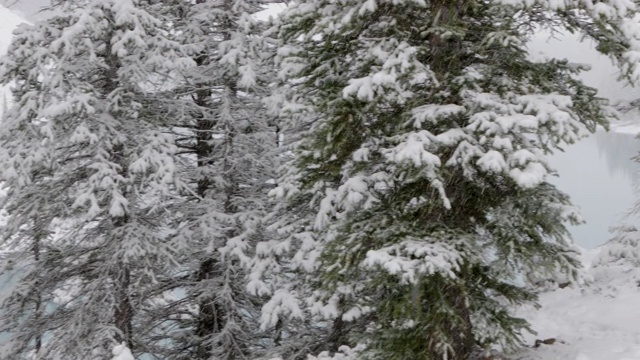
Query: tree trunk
[
  {"x": 123, "y": 314},
  {"x": 445, "y": 13},
  {"x": 209, "y": 319},
  {"x": 212, "y": 315},
  {"x": 38, "y": 296},
  {"x": 460, "y": 329}
]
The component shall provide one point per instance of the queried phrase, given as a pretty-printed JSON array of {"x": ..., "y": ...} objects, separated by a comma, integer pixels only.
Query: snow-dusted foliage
[
  {"x": 88, "y": 173},
  {"x": 228, "y": 144},
  {"x": 622, "y": 249},
  {"x": 617, "y": 263},
  {"x": 425, "y": 168}
]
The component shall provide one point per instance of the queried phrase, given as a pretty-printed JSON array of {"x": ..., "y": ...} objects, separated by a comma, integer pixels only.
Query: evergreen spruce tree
[
  {"x": 228, "y": 142},
  {"x": 622, "y": 249},
  {"x": 87, "y": 170},
  {"x": 425, "y": 168},
  {"x": 297, "y": 331}
]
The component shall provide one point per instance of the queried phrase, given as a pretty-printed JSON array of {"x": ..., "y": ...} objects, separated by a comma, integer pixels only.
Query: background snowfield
[
  {"x": 599, "y": 320},
  {"x": 9, "y": 21},
  {"x": 596, "y": 321}
]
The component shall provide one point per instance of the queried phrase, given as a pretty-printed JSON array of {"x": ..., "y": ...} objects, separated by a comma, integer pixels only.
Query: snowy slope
[
  {"x": 9, "y": 21},
  {"x": 31, "y": 10},
  {"x": 600, "y": 321},
  {"x": 587, "y": 327}
]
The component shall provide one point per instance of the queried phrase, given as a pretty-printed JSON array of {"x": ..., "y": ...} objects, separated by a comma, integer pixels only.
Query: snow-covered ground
[
  {"x": 629, "y": 123},
  {"x": 597, "y": 321},
  {"x": 9, "y": 20}
]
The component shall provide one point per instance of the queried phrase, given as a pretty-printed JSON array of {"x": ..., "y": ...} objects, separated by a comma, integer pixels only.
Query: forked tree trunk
[
  {"x": 209, "y": 320},
  {"x": 460, "y": 329},
  {"x": 38, "y": 296},
  {"x": 123, "y": 309}
]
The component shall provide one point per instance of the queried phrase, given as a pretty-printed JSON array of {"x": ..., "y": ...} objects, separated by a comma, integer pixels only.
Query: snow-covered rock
[{"x": 122, "y": 352}]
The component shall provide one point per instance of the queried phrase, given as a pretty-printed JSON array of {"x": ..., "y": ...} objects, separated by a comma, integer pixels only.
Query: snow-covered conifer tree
[
  {"x": 426, "y": 167},
  {"x": 228, "y": 142},
  {"x": 622, "y": 249},
  {"x": 87, "y": 170}
]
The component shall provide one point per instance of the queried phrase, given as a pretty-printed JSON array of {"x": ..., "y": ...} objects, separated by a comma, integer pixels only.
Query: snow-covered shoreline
[
  {"x": 596, "y": 321},
  {"x": 627, "y": 127},
  {"x": 598, "y": 318}
]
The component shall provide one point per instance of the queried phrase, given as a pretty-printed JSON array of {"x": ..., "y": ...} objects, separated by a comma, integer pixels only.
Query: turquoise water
[
  {"x": 600, "y": 176},
  {"x": 7, "y": 282}
]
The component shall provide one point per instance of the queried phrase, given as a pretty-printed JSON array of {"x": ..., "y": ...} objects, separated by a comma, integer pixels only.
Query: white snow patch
[
  {"x": 627, "y": 127},
  {"x": 599, "y": 321},
  {"x": 270, "y": 11},
  {"x": 122, "y": 352}
]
